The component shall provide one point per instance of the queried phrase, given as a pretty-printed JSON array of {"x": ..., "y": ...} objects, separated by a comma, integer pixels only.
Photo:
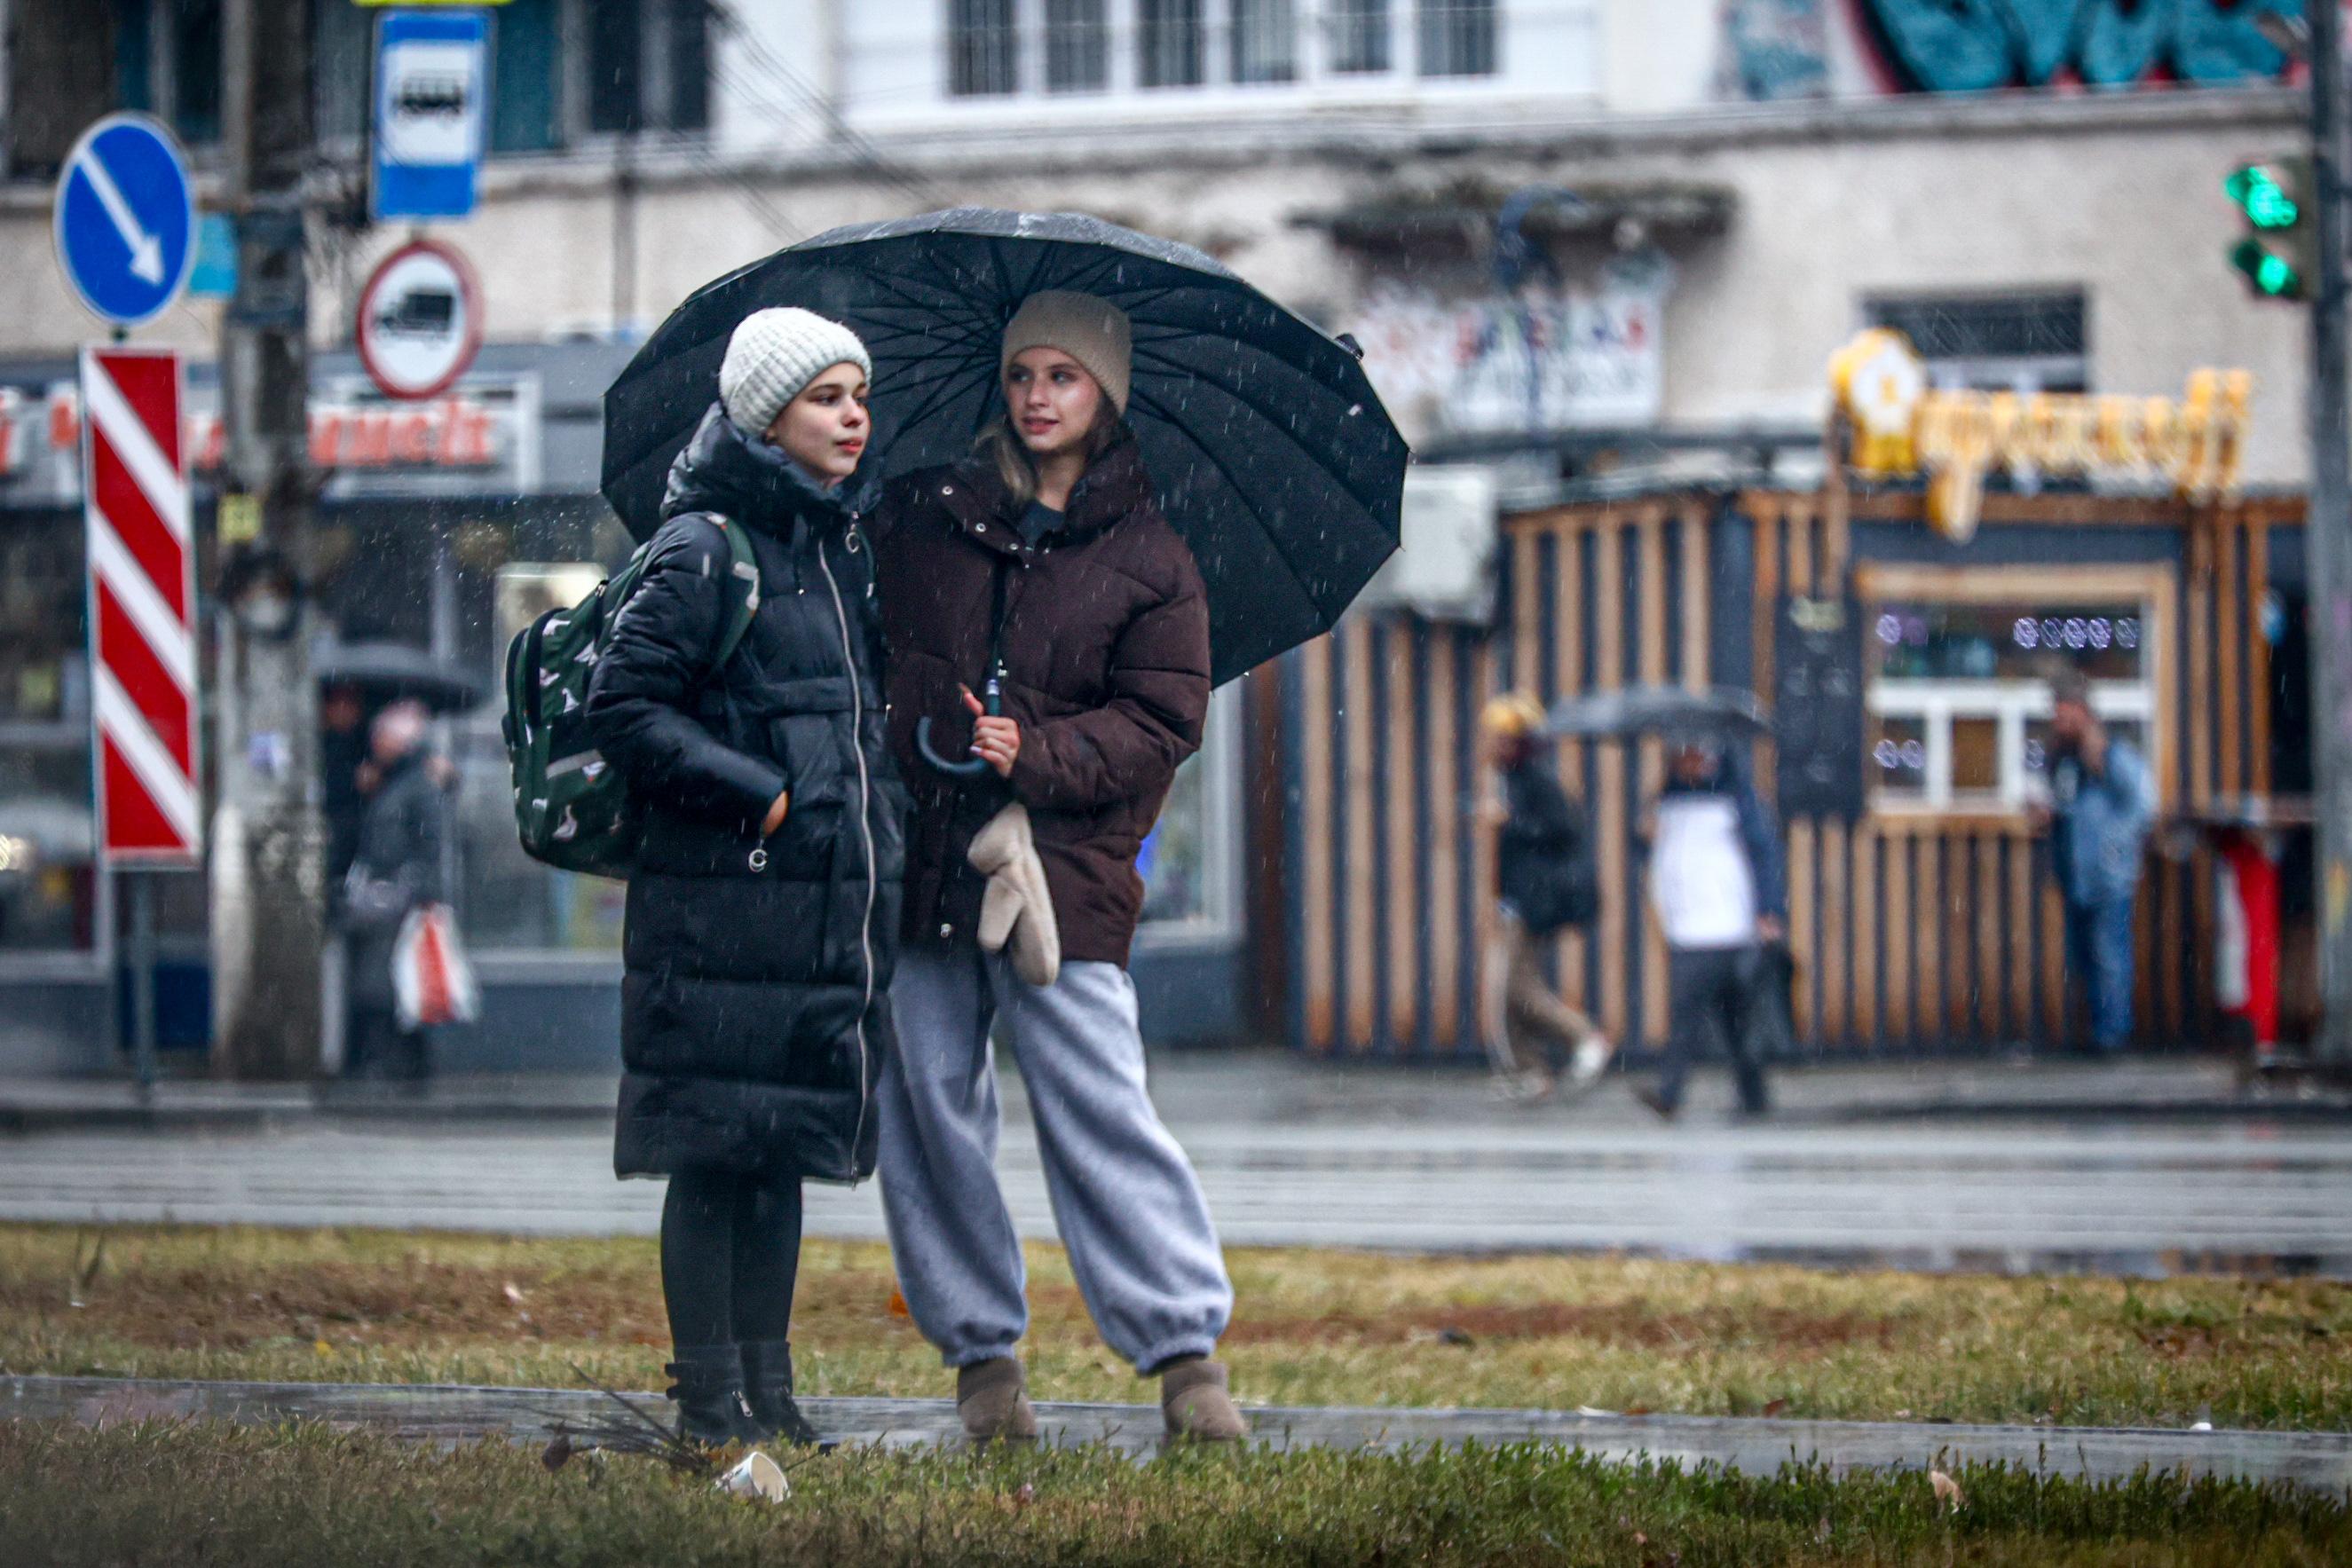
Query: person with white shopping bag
[{"x": 407, "y": 972}]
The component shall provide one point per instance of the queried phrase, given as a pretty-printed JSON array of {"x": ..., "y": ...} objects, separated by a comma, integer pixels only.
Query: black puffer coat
[{"x": 755, "y": 1004}]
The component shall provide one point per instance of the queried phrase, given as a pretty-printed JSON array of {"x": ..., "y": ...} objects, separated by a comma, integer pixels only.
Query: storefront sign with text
[
  {"x": 473, "y": 430},
  {"x": 2193, "y": 444}
]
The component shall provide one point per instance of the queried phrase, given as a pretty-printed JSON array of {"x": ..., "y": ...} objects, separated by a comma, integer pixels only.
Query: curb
[{"x": 2320, "y": 1460}]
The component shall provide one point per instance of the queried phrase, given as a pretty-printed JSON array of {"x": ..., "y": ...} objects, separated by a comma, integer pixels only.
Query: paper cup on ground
[{"x": 756, "y": 1475}]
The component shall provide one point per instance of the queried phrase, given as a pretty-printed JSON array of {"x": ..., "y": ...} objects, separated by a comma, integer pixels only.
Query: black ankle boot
[
  {"x": 768, "y": 1383},
  {"x": 708, "y": 1394}
]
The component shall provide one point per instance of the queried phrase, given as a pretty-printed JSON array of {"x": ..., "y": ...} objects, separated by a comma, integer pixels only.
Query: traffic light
[{"x": 2276, "y": 255}]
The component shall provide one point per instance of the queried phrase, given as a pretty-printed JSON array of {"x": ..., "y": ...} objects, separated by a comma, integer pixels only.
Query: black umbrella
[
  {"x": 389, "y": 671},
  {"x": 1719, "y": 712},
  {"x": 1269, "y": 449}
]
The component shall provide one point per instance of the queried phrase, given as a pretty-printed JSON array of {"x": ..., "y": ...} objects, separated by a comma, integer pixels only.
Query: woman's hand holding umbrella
[{"x": 996, "y": 740}]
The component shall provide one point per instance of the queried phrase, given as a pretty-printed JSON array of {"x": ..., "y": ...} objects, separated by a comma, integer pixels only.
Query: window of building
[
  {"x": 645, "y": 67},
  {"x": 1359, "y": 37},
  {"x": 686, "y": 59},
  {"x": 1458, "y": 39},
  {"x": 1170, "y": 45},
  {"x": 616, "y": 48},
  {"x": 526, "y": 57},
  {"x": 983, "y": 49},
  {"x": 1265, "y": 40},
  {"x": 2006, "y": 342},
  {"x": 1077, "y": 46},
  {"x": 1956, "y": 693}
]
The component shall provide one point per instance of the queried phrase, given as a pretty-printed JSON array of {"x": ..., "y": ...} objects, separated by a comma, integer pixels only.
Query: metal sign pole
[
  {"x": 142, "y": 891},
  {"x": 2327, "y": 531}
]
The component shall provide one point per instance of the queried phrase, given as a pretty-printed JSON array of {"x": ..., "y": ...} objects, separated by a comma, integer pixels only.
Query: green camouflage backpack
[{"x": 572, "y": 810}]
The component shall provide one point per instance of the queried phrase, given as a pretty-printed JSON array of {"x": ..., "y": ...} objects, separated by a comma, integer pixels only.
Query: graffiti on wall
[
  {"x": 1772, "y": 51},
  {"x": 1546, "y": 358},
  {"x": 1972, "y": 46}
]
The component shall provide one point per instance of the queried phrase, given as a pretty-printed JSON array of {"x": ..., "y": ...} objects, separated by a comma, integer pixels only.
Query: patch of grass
[
  {"x": 1313, "y": 1327},
  {"x": 311, "y": 1498}
]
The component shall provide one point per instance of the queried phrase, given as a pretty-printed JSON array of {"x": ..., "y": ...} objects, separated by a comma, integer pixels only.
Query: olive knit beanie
[
  {"x": 1090, "y": 329},
  {"x": 774, "y": 356}
]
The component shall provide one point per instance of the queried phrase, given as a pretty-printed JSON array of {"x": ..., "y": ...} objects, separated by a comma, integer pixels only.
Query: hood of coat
[
  {"x": 723, "y": 470},
  {"x": 1116, "y": 485}
]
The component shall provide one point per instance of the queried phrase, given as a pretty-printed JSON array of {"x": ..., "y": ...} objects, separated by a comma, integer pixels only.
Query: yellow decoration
[{"x": 2195, "y": 444}]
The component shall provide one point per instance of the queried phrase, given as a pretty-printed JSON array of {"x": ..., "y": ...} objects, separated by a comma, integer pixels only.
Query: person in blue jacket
[
  {"x": 2102, "y": 800},
  {"x": 1719, "y": 885}
]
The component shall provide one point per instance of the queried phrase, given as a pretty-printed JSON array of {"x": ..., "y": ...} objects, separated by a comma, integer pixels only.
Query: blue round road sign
[{"x": 125, "y": 226}]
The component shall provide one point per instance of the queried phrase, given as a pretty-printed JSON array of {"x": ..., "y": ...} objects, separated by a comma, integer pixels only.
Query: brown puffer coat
[{"x": 1105, "y": 643}]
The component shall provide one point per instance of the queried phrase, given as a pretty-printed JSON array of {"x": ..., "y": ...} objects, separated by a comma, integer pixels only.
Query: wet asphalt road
[{"x": 1307, "y": 1155}]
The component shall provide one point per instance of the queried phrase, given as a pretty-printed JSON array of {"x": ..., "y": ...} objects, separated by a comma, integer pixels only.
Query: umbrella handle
[{"x": 970, "y": 767}]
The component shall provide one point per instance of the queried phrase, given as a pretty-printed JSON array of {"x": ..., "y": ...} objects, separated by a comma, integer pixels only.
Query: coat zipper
[{"x": 866, "y": 831}]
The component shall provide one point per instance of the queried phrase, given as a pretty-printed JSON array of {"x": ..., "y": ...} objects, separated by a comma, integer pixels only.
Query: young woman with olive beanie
[
  {"x": 1045, "y": 556},
  {"x": 762, "y": 913}
]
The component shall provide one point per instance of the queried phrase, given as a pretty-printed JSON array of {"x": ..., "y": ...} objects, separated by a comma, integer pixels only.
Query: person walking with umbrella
[
  {"x": 763, "y": 905},
  {"x": 1040, "y": 571},
  {"x": 1718, "y": 883}
]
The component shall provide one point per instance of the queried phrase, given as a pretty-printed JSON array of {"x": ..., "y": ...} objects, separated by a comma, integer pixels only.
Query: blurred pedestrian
[
  {"x": 343, "y": 744},
  {"x": 1716, "y": 882},
  {"x": 2102, "y": 801},
  {"x": 1044, "y": 557},
  {"x": 396, "y": 869},
  {"x": 1547, "y": 882},
  {"x": 763, "y": 910}
]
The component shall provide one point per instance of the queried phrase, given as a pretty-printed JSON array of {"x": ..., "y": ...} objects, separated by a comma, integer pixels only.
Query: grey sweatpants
[{"x": 1125, "y": 1199}]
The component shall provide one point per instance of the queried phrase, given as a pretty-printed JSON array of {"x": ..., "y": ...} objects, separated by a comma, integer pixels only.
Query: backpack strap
[{"x": 742, "y": 604}]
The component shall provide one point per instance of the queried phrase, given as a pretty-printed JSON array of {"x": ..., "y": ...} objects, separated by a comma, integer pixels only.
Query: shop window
[
  {"x": 1458, "y": 39},
  {"x": 1265, "y": 40},
  {"x": 48, "y": 886},
  {"x": 1959, "y": 666},
  {"x": 1171, "y": 47},
  {"x": 2009, "y": 342},
  {"x": 510, "y": 903},
  {"x": 1359, "y": 37},
  {"x": 983, "y": 49},
  {"x": 1077, "y": 46},
  {"x": 1189, "y": 862}
]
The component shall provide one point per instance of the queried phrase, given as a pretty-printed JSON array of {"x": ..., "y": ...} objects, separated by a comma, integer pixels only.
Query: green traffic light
[
  {"x": 2272, "y": 275},
  {"x": 2262, "y": 199}
]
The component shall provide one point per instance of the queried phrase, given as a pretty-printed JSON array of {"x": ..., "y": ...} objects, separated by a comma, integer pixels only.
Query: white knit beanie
[{"x": 774, "y": 356}]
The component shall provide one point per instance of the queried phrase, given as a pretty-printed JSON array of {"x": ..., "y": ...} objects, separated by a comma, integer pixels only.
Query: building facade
[{"x": 1714, "y": 194}]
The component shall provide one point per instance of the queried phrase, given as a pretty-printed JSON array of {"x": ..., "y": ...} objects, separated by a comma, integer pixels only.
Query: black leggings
[{"x": 729, "y": 1250}]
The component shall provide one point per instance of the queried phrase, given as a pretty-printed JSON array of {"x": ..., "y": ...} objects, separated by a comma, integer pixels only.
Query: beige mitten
[{"x": 1017, "y": 909}]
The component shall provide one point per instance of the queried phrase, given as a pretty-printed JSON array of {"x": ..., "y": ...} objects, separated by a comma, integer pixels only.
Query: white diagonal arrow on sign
[
  {"x": 135, "y": 590},
  {"x": 146, "y": 250},
  {"x": 120, "y": 720},
  {"x": 157, "y": 476}
]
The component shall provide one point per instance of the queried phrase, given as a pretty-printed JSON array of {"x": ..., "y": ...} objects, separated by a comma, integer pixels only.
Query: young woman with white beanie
[{"x": 762, "y": 917}]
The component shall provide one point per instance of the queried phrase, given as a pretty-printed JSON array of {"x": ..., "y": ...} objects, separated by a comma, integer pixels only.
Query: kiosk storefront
[{"x": 1905, "y": 616}]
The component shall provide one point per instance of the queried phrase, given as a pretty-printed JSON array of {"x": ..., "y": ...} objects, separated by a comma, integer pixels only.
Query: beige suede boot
[
  {"x": 1194, "y": 1401},
  {"x": 992, "y": 1398}
]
